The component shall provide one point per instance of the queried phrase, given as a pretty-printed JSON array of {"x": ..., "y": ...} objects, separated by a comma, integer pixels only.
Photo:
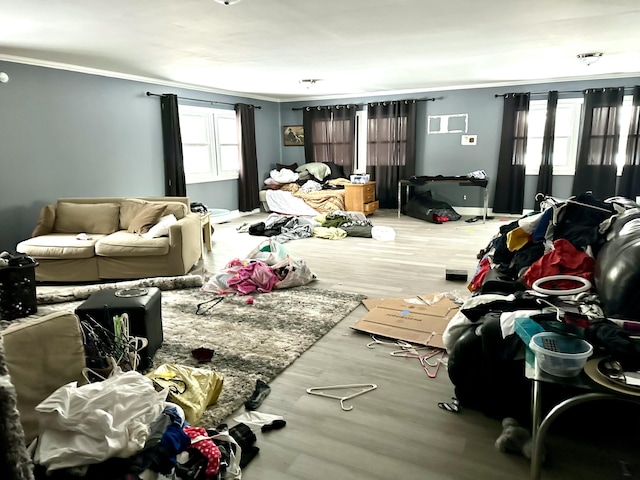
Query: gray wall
[
  {"x": 442, "y": 154},
  {"x": 65, "y": 134}
]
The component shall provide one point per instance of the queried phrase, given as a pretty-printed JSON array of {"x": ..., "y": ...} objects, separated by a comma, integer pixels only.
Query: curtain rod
[
  {"x": 149, "y": 94},
  {"x": 559, "y": 91},
  {"x": 362, "y": 104}
]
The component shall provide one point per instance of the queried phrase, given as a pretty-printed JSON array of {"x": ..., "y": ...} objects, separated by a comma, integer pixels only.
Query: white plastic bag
[
  {"x": 87, "y": 424},
  {"x": 383, "y": 234},
  {"x": 269, "y": 252}
]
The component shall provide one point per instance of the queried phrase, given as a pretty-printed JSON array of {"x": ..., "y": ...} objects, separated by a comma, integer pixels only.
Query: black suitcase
[{"x": 142, "y": 305}]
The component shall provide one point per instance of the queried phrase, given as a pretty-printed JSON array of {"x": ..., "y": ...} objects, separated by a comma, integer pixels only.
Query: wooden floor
[{"x": 396, "y": 431}]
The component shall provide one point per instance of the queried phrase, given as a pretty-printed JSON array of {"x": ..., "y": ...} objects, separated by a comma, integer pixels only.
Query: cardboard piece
[{"x": 405, "y": 319}]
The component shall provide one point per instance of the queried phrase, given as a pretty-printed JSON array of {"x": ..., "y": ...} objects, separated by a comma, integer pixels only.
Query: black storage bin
[
  {"x": 18, "y": 291},
  {"x": 144, "y": 307}
]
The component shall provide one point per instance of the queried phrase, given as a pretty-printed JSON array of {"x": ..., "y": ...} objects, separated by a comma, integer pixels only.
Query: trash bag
[
  {"x": 192, "y": 388},
  {"x": 293, "y": 273},
  {"x": 269, "y": 252}
]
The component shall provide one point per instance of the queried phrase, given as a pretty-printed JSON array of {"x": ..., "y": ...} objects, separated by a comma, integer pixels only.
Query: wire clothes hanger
[{"x": 366, "y": 387}]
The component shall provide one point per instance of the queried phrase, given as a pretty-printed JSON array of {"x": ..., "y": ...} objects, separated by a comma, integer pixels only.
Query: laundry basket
[
  {"x": 560, "y": 355},
  {"x": 18, "y": 291}
]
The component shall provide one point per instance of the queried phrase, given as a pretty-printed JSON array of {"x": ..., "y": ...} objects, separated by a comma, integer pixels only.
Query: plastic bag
[
  {"x": 88, "y": 424},
  {"x": 383, "y": 234},
  {"x": 194, "y": 389},
  {"x": 293, "y": 273},
  {"x": 269, "y": 251}
]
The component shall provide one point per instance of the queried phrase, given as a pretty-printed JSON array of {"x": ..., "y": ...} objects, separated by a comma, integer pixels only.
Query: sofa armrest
[
  {"x": 46, "y": 221},
  {"x": 185, "y": 236},
  {"x": 42, "y": 355}
]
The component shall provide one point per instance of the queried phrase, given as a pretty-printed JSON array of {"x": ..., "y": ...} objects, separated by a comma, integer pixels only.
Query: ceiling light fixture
[
  {"x": 227, "y": 2},
  {"x": 309, "y": 82},
  {"x": 589, "y": 58},
  {"x": 4, "y": 78}
]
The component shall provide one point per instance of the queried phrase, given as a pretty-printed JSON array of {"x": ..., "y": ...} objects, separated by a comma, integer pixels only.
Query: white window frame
[
  {"x": 215, "y": 171},
  {"x": 574, "y": 106}
]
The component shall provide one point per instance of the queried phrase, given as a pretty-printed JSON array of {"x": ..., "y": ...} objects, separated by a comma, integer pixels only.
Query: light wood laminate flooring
[{"x": 396, "y": 431}]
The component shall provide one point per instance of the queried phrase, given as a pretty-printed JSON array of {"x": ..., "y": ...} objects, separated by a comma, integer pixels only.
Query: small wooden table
[{"x": 205, "y": 223}]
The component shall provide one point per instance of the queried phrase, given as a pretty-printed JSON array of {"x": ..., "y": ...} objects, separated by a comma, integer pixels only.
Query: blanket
[{"x": 323, "y": 201}]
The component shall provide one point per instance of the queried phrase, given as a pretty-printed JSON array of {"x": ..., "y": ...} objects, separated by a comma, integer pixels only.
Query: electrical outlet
[{"x": 464, "y": 197}]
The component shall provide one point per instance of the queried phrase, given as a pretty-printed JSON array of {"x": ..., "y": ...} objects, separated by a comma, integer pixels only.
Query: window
[
  {"x": 625, "y": 120},
  {"x": 209, "y": 144},
  {"x": 565, "y": 146},
  {"x": 361, "y": 141}
]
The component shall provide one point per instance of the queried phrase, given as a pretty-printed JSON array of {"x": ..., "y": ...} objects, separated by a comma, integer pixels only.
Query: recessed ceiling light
[
  {"x": 227, "y": 2},
  {"x": 589, "y": 58}
]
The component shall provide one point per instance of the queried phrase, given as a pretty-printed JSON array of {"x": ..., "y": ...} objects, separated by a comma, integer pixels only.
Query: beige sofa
[{"x": 111, "y": 248}]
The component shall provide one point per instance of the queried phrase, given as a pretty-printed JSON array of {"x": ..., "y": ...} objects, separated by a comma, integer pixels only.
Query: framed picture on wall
[{"x": 293, "y": 135}]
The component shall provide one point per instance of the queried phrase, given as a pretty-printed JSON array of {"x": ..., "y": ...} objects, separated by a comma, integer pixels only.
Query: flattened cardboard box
[{"x": 405, "y": 320}]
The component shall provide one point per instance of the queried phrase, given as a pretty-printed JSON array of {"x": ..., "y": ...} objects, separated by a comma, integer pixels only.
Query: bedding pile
[{"x": 307, "y": 189}]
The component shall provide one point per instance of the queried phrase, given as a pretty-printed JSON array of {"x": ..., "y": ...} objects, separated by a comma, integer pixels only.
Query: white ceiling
[{"x": 262, "y": 48}]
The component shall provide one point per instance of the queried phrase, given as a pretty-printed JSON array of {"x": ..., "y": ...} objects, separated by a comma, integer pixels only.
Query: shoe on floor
[{"x": 259, "y": 394}]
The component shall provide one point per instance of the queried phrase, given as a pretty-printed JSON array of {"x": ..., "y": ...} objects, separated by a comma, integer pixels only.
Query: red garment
[
  {"x": 564, "y": 259},
  {"x": 478, "y": 279},
  {"x": 207, "y": 447}
]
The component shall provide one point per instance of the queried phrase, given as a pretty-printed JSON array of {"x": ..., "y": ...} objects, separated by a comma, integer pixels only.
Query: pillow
[
  {"x": 337, "y": 171},
  {"x": 161, "y": 229},
  {"x": 146, "y": 218},
  {"x": 317, "y": 169},
  {"x": 100, "y": 218},
  {"x": 46, "y": 221},
  {"x": 292, "y": 167}
]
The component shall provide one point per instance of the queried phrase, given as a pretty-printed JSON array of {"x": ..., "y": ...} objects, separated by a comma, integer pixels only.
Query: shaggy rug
[{"x": 251, "y": 341}]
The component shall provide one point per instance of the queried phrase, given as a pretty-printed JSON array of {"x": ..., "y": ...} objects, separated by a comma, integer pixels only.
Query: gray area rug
[{"x": 250, "y": 341}]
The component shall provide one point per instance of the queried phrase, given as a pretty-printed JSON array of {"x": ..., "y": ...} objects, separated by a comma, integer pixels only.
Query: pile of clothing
[
  {"x": 123, "y": 428},
  {"x": 335, "y": 225},
  {"x": 575, "y": 238}
]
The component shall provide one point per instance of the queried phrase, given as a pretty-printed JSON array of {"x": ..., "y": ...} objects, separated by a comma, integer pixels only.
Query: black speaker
[{"x": 142, "y": 305}]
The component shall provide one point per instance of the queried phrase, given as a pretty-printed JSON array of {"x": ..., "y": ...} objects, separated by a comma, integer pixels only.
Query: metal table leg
[{"x": 540, "y": 432}]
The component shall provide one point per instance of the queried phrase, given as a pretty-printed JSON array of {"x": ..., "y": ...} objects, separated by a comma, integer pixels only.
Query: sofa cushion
[
  {"x": 130, "y": 207},
  {"x": 125, "y": 244},
  {"x": 87, "y": 217},
  {"x": 42, "y": 355},
  {"x": 146, "y": 218},
  {"x": 46, "y": 222},
  {"x": 59, "y": 245}
]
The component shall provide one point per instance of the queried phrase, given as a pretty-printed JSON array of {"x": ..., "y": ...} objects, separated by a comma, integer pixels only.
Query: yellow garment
[
  {"x": 331, "y": 233},
  {"x": 517, "y": 238}
]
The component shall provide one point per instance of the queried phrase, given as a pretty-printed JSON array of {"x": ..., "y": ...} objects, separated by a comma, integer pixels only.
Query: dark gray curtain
[
  {"x": 509, "y": 192},
  {"x": 248, "y": 188},
  {"x": 629, "y": 184},
  {"x": 330, "y": 135},
  {"x": 175, "y": 184},
  {"x": 545, "y": 174},
  {"x": 596, "y": 163},
  {"x": 391, "y": 147}
]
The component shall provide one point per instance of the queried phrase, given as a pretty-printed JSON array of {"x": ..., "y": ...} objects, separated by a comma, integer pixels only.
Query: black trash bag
[{"x": 424, "y": 207}]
